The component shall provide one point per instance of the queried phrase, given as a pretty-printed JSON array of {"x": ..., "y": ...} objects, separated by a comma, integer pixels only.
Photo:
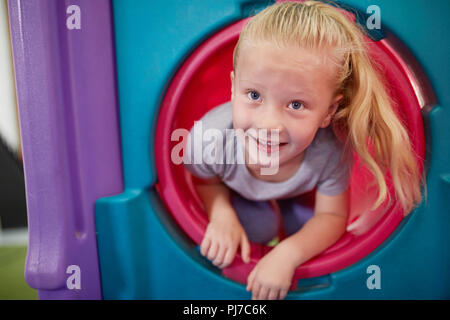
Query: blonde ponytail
[{"x": 366, "y": 114}]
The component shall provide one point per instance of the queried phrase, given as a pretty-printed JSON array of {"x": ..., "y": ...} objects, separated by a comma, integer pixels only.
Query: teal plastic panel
[{"x": 145, "y": 255}]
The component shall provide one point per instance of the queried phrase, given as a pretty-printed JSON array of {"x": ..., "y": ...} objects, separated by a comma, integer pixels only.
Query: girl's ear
[
  {"x": 232, "y": 84},
  {"x": 331, "y": 111}
]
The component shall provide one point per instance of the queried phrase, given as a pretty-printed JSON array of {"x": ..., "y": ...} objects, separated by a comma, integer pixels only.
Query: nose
[{"x": 270, "y": 118}]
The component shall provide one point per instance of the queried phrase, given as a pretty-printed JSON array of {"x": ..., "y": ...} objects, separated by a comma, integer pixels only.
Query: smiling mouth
[{"x": 268, "y": 146}]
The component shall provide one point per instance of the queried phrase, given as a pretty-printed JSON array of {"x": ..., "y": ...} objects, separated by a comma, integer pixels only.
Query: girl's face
[{"x": 287, "y": 89}]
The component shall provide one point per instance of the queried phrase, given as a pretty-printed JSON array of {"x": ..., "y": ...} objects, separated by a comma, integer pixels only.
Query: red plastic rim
[{"x": 203, "y": 82}]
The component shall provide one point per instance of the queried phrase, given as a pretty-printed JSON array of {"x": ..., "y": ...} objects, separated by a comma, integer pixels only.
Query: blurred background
[{"x": 13, "y": 210}]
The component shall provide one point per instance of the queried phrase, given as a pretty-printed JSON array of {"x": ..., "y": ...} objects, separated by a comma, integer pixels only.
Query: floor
[{"x": 13, "y": 250}]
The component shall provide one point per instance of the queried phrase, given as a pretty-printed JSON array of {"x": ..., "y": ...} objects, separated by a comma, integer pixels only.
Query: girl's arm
[
  {"x": 224, "y": 233},
  {"x": 213, "y": 194},
  {"x": 326, "y": 227},
  {"x": 272, "y": 276}
]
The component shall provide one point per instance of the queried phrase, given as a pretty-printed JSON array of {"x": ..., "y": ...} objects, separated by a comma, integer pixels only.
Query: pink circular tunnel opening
[{"x": 203, "y": 82}]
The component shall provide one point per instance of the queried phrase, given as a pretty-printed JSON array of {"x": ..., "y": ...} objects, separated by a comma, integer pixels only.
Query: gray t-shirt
[{"x": 323, "y": 165}]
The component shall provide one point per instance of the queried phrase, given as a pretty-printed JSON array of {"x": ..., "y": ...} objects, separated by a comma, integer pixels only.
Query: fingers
[
  {"x": 221, "y": 255},
  {"x": 283, "y": 293},
  {"x": 255, "y": 291},
  {"x": 221, "y": 250},
  {"x": 273, "y": 294},
  {"x": 204, "y": 246},
  {"x": 263, "y": 293},
  {"x": 250, "y": 280},
  {"x": 229, "y": 256},
  {"x": 230, "y": 252},
  {"x": 245, "y": 249},
  {"x": 212, "y": 252},
  {"x": 218, "y": 260}
]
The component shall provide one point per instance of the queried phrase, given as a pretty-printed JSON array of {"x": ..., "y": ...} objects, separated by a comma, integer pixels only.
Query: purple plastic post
[{"x": 65, "y": 80}]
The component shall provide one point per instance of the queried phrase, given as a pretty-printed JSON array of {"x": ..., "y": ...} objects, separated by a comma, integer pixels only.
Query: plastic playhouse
[{"x": 101, "y": 85}]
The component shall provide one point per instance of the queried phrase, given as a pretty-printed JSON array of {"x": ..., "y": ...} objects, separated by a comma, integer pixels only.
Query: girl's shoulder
[
  {"x": 326, "y": 139},
  {"x": 219, "y": 117},
  {"x": 328, "y": 146}
]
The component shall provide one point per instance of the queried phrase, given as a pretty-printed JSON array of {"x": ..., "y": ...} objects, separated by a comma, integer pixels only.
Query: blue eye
[
  {"x": 296, "y": 105},
  {"x": 253, "y": 95}
]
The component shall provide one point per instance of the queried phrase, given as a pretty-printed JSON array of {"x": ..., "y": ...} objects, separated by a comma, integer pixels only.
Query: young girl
[{"x": 300, "y": 70}]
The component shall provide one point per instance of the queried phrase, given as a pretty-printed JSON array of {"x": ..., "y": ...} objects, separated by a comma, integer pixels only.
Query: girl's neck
[{"x": 285, "y": 171}]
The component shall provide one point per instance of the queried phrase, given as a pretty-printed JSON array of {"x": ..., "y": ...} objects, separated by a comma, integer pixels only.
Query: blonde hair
[{"x": 366, "y": 113}]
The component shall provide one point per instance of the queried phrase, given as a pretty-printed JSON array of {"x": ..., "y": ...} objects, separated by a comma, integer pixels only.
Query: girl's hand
[
  {"x": 223, "y": 237},
  {"x": 272, "y": 276}
]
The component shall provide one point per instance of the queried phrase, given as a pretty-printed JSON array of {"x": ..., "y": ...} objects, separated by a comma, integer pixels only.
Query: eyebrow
[
  {"x": 305, "y": 95},
  {"x": 252, "y": 82}
]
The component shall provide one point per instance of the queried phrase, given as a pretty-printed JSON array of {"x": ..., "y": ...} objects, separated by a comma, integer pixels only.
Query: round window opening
[{"x": 203, "y": 82}]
